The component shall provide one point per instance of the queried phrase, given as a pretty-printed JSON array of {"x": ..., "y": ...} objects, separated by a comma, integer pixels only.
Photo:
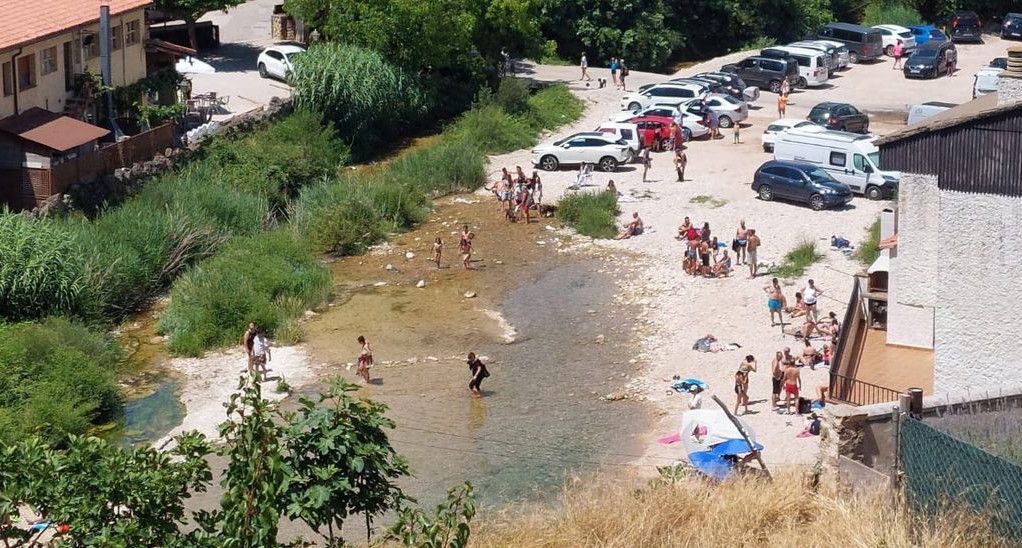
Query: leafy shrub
[
  {"x": 268, "y": 278},
  {"x": 367, "y": 99},
  {"x": 592, "y": 214},
  {"x": 491, "y": 130},
  {"x": 56, "y": 377},
  {"x": 798, "y": 260},
  {"x": 869, "y": 249},
  {"x": 881, "y": 13},
  {"x": 512, "y": 95},
  {"x": 553, "y": 106},
  {"x": 190, "y": 193},
  {"x": 451, "y": 165},
  {"x": 41, "y": 271}
]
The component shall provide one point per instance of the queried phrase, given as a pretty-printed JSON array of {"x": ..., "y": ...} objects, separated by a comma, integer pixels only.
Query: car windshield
[
  {"x": 925, "y": 54},
  {"x": 874, "y": 158},
  {"x": 819, "y": 113},
  {"x": 820, "y": 176},
  {"x": 776, "y": 128},
  {"x": 732, "y": 100}
]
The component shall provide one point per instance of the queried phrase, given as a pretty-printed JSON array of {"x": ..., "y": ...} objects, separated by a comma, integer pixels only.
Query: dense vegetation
[{"x": 592, "y": 214}]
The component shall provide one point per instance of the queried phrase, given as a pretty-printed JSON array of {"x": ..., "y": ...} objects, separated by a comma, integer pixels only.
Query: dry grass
[{"x": 749, "y": 512}]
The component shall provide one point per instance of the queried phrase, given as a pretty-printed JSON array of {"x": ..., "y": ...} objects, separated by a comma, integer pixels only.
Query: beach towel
[
  {"x": 683, "y": 385},
  {"x": 667, "y": 440}
]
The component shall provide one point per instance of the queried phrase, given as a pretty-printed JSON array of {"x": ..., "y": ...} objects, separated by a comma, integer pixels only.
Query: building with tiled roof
[{"x": 44, "y": 44}]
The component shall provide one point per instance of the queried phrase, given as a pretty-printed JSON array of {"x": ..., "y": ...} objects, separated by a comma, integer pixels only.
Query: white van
[
  {"x": 922, "y": 111},
  {"x": 812, "y": 64},
  {"x": 850, "y": 158},
  {"x": 624, "y": 131}
]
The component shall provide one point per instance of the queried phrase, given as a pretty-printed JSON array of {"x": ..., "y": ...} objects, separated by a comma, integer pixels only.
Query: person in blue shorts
[{"x": 775, "y": 302}]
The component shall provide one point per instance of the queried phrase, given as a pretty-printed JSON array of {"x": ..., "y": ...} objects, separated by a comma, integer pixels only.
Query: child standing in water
[
  {"x": 365, "y": 359},
  {"x": 438, "y": 250}
]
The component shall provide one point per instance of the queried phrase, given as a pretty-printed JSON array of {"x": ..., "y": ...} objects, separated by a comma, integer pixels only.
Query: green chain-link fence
[{"x": 940, "y": 469}]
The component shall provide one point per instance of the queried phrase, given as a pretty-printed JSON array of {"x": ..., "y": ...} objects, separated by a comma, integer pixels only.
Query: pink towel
[{"x": 667, "y": 440}]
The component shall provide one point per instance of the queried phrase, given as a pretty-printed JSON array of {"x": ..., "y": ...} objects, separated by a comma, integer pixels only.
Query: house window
[
  {"x": 8, "y": 75},
  {"x": 91, "y": 46},
  {"x": 48, "y": 61},
  {"x": 132, "y": 33},
  {"x": 26, "y": 71},
  {"x": 115, "y": 40}
]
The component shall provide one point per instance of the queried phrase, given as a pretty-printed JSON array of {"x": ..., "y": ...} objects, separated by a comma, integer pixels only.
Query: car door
[
  {"x": 841, "y": 168},
  {"x": 574, "y": 152},
  {"x": 275, "y": 63},
  {"x": 861, "y": 120},
  {"x": 749, "y": 71},
  {"x": 863, "y": 173},
  {"x": 795, "y": 186}
]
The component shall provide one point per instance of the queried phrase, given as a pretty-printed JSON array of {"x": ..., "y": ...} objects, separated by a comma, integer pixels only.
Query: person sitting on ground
[
  {"x": 809, "y": 355},
  {"x": 806, "y": 331},
  {"x": 800, "y": 307},
  {"x": 683, "y": 229},
  {"x": 612, "y": 189},
  {"x": 634, "y": 228},
  {"x": 829, "y": 326},
  {"x": 723, "y": 266}
]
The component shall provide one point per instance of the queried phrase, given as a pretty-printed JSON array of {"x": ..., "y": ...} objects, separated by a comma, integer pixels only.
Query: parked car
[
  {"x": 590, "y": 147},
  {"x": 712, "y": 86},
  {"x": 892, "y": 34},
  {"x": 922, "y": 111},
  {"x": 623, "y": 131},
  {"x": 931, "y": 60},
  {"x": 1012, "y": 26},
  {"x": 765, "y": 72},
  {"x": 692, "y": 126},
  {"x": 730, "y": 111},
  {"x": 277, "y": 61},
  {"x": 840, "y": 116},
  {"x": 655, "y": 131},
  {"x": 735, "y": 85},
  {"x": 662, "y": 93},
  {"x": 849, "y": 158},
  {"x": 864, "y": 43},
  {"x": 963, "y": 26},
  {"x": 813, "y": 66},
  {"x": 986, "y": 80},
  {"x": 837, "y": 51},
  {"x": 784, "y": 124},
  {"x": 926, "y": 33},
  {"x": 799, "y": 182}
]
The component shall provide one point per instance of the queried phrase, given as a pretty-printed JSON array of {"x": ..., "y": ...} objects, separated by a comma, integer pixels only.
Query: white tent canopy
[{"x": 704, "y": 428}]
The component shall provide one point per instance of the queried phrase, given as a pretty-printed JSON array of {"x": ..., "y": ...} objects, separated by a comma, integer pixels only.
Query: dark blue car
[
  {"x": 799, "y": 182},
  {"x": 926, "y": 33}
]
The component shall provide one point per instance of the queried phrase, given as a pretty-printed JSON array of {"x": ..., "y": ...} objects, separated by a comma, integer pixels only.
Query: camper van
[
  {"x": 812, "y": 65},
  {"x": 849, "y": 157}
]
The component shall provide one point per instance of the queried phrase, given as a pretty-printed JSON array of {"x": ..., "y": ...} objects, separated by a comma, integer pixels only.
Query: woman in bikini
[
  {"x": 741, "y": 240},
  {"x": 741, "y": 390},
  {"x": 465, "y": 246},
  {"x": 438, "y": 250},
  {"x": 365, "y": 359}
]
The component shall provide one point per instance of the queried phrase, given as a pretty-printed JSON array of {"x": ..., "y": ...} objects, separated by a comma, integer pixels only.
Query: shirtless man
[
  {"x": 750, "y": 250},
  {"x": 775, "y": 302},
  {"x": 680, "y": 161},
  {"x": 792, "y": 384},
  {"x": 742, "y": 240},
  {"x": 809, "y": 355},
  {"x": 776, "y": 378},
  {"x": 683, "y": 229},
  {"x": 723, "y": 266},
  {"x": 633, "y": 228}
]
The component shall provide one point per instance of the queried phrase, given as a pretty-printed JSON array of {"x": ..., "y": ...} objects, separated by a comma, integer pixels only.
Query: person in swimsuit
[
  {"x": 792, "y": 384},
  {"x": 633, "y": 228},
  {"x": 647, "y": 162},
  {"x": 683, "y": 229},
  {"x": 741, "y": 241},
  {"x": 809, "y": 295},
  {"x": 775, "y": 302},
  {"x": 800, "y": 307},
  {"x": 479, "y": 372},
  {"x": 537, "y": 193},
  {"x": 809, "y": 355},
  {"x": 776, "y": 379},
  {"x": 438, "y": 250},
  {"x": 693, "y": 254},
  {"x": 246, "y": 345},
  {"x": 741, "y": 390},
  {"x": 613, "y": 71},
  {"x": 365, "y": 359},
  {"x": 704, "y": 258},
  {"x": 750, "y": 247},
  {"x": 680, "y": 162},
  {"x": 723, "y": 266},
  {"x": 465, "y": 247},
  {"x": 829, "y": 326},
  {"x": 704, "y": 234}
]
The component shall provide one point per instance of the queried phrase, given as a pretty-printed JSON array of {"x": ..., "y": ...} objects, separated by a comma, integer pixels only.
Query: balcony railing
[{"x": 853, "y": 391}]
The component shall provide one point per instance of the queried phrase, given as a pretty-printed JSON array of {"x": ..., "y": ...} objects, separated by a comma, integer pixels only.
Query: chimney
[{"x": 1009, "y": 85}]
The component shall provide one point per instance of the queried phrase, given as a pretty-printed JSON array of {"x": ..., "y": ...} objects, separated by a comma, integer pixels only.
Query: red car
[{"x": 655, "y": 131}]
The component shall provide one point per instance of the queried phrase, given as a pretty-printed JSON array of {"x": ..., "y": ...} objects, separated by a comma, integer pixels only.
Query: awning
[
  {"x": 157, "y": 45},
  {"x": 51, "y": 130},
  {"x": 882, "y": 264}
]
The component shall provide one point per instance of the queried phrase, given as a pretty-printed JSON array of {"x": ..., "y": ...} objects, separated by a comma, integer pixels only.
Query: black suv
[
  {"x": 963, "y": 26},
  {"x": 840, "y": 116},
  {"x": 765, "y": 72},
  {"x": 931, "y": 59},
  {"x": 1012, "y": 26}
]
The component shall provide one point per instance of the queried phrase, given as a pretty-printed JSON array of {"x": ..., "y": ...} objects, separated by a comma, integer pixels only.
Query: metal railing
[
  {"x": 853, "y": 391},
  {"x": 847, "y": 328}
]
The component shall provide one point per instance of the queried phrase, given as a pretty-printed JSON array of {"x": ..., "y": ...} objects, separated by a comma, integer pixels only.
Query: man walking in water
[
  {"x": 585, "y": 68},
  {"x": 479, "y": 372}
]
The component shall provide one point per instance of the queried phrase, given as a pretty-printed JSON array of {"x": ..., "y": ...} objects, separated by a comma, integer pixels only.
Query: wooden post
[
  {"x": 741, "y": 430},
  {"x": 915, "y": 407},
  {"x": 896, "y": 431}
]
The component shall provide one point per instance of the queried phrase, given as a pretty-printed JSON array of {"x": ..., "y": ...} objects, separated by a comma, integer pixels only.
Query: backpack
[{"x": 814, "y": 427}]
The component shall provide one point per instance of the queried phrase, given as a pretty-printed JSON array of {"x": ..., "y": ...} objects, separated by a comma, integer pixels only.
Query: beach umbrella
[
  {"x": 191, "y": 65},
  {"x": 710, "y": 438}
]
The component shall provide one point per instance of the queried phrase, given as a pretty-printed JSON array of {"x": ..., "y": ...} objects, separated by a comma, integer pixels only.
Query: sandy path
[{"x": 681, "y": 308}]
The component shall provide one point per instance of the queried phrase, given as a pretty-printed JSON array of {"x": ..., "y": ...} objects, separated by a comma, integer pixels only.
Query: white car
[
  {"x": 582, "y": 148},
  {"x": 891, "y": 34},
  {"x": 663, "y": 93},
  {"x": 623, "y": 131},
  {"x": 730, "y": 111},
  {"x": 277, "y": 61},
  {"x": 782, "y": 125},
  {"x": 691, "y": 123}
]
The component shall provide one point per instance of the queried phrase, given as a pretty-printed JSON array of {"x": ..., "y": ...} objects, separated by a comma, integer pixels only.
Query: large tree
[{"x": 191, "y": 10}]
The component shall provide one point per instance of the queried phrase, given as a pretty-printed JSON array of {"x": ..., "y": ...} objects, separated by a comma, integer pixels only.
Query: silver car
[{"x": 843, "y": 59}]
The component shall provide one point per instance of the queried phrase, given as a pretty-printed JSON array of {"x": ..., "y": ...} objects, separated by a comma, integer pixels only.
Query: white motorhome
[{"x": 850, "y": 158}]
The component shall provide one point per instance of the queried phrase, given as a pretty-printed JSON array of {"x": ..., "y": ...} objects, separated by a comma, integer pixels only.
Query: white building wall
[
  {"x": 979, "y": 313},
  {"x": 912, "y": 291}
]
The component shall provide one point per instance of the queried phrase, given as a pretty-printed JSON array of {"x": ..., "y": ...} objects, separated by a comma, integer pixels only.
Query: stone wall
[{"x": 124, "y": 182}]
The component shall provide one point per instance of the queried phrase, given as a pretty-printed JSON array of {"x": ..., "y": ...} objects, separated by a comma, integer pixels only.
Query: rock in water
[
  {"x": 421, "y": 284},
  {"x": 470, "y": 294}
]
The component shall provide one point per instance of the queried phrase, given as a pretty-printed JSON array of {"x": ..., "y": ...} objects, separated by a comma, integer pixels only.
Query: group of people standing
[
  {"x": 518, "y": 194},
  {"x": 704, "y": 254}
]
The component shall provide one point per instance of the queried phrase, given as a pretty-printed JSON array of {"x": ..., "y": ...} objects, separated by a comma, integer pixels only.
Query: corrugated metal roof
[
  {"x": 50, "y": 129},
  {"x": 26, "y": 21}
]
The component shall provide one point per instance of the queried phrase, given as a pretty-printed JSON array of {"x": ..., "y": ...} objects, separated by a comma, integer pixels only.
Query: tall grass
[
  {"x": 798, "y": 260},
  {"x": 552, "y": 107},
  {"x": 268, "y": 278},
  {"x": 592, "y": 214},
  {"x": 869, "y": 249},
  {"x": 56, "y": 377},
  {"x": 616, "y": 511},
  {"x": 879, "y": 12}
]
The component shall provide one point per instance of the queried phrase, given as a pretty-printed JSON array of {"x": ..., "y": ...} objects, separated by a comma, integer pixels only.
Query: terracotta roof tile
[
  {"x": 51, "y": 129},
  {"x": 24, "y": 21}
]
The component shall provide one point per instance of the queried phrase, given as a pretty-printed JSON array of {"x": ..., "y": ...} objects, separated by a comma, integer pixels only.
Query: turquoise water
[{"x": 149, "y": 418}]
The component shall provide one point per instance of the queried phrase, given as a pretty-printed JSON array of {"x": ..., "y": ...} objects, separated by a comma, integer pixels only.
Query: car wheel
[
  {"x": 548, "y": 163},
  {"x": 725, "y": 122},
  {"x": 874, "y": 192},
  {"x": 262, "y": 71},
  {"x": 889, "y": 51},
  {"x": 816, "y": 202},
  {"x": 802, "y": 83},
  {"x": 687, "y": 133},
  {"x": 634, "y": 106},
  {"x": 766, "y": 193},
  {"x": 853, "y": 57},
  {"x": 608, "y": 163},
  {"x": 775, "y": 86}
]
